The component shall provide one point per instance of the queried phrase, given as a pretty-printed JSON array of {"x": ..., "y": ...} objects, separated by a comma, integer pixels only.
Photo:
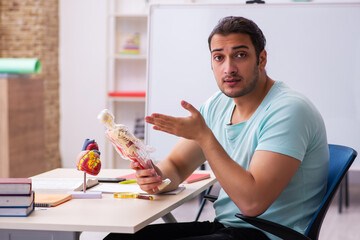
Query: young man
[{"x": 265, "y": 143}]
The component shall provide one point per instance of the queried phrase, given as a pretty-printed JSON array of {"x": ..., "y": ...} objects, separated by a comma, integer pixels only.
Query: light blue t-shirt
[{"x": 285, "y": 122}]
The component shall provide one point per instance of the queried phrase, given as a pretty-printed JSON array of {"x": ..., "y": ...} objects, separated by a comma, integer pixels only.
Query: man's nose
[{"x": 230, "y": 67}]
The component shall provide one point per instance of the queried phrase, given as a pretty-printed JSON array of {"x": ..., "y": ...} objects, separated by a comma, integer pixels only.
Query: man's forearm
[{"x": 185, "y": 157}]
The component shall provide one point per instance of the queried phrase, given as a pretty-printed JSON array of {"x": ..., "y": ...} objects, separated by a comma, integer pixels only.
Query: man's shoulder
[
  {"x": 285, "y": 96},
  {"x": 286, "y": 103}
]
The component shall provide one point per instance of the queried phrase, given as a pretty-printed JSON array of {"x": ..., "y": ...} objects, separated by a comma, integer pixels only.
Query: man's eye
[
  {"x": 240, "y": 55},
  {"x": 217, "y": 58}
]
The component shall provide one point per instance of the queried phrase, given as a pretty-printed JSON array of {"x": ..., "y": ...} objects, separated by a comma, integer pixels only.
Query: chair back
[{"x": 341, "y": 158}]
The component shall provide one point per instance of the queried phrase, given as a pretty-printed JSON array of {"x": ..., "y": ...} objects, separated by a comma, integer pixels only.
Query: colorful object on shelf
[
  {"x": 126, "y": 94},
  {"x": 126, "y": 144},
  {"x": 89, "y": 159},
  {"x": 19, "y": 65},
  {"x": 139, "y": 129},
  {"x": 132, "y": 45}
]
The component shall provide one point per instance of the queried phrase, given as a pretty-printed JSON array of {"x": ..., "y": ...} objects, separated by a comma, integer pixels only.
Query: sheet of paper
[
  {"x": 116, "y": 187},
  {"x": 59, "y": 183},
  {"x": 176, "y": 191},
  {"x": 133, "y": 187}
]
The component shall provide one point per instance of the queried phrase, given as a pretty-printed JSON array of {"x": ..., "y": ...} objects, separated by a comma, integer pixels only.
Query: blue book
[{"x": 17, "y": 211}]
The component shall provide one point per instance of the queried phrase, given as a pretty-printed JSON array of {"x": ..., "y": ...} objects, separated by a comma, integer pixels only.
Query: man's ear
[{"x": 263, "y": 59}]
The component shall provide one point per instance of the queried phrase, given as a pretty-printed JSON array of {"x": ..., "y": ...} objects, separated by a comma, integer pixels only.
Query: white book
[
  {"x": 16, "y": 200},
  {"x": 15, "y": 186}
]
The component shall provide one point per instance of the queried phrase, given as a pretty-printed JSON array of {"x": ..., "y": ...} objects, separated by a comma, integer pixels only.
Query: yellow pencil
[{"x": 128, "y": 181}]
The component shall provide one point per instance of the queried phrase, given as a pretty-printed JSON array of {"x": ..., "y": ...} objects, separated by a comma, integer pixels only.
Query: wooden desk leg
[{"x": 169, "y": 218}]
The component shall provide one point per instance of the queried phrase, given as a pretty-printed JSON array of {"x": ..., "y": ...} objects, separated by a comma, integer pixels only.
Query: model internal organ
[
  {"x": 126, "y": 144},
  {"x": 88, "y": 160}
]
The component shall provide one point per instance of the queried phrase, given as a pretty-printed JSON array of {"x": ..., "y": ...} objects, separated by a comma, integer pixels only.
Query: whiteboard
[{"x": 313, "y": 48}]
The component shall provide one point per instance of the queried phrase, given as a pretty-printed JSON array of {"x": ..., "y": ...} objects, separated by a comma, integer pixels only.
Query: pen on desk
[
  {"x": 132, "y": 195},
  {"x": 145, "y": 197},
  {"x": 128, "y": 181},
  {"x": 110, "y": 180}
]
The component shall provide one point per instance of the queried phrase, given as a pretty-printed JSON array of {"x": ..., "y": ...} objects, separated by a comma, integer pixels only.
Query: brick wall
[{"x": 30, "y": 29}]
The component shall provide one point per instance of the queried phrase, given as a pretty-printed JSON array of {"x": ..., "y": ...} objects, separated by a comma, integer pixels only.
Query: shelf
[
  {"x": 127, "y": 96},
  {"x": 126, "y": 62},
  {"x": 129, "y": 16},
  {"x": 127, "y": 99},
  {"x": 129, "y": 57}
]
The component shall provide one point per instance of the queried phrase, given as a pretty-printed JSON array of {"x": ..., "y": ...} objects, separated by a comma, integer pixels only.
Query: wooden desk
[{"x": 108, "y": 214}]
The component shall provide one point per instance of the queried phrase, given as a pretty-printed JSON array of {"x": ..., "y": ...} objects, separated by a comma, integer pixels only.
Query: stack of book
[
  {"x": 16, "y": 197},
  {"x": 132, "y": 45},
  {"x": 139, "y": 130}
]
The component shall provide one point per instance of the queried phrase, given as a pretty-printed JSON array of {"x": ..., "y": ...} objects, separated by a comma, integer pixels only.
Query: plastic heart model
[{"x": 89, "y": 158}]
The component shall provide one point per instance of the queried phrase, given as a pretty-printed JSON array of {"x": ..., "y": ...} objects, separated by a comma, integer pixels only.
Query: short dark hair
[{"x": 231, "y": 24}]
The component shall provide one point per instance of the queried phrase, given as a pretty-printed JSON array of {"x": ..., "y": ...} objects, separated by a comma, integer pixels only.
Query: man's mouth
[
  {"x": 232, "y": 78},
  {"x": 231, "y": 81}
]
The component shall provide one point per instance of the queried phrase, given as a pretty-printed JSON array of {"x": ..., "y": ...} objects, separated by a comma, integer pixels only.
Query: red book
[
  {"x": 15, "y": 186},
  {"x": 197, "y": 177},
  {"x": 128, "y": 176}
]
